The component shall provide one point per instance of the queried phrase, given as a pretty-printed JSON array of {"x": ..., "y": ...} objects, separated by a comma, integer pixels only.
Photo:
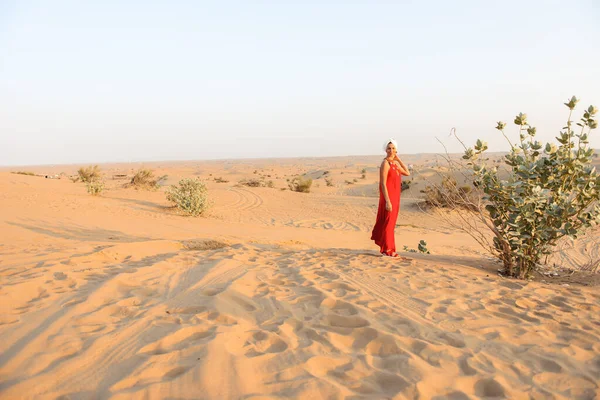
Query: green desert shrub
[
  {"x": 422, "y": 248},
  {"x": 328, "y": 182},
  {"x": 95, "y": 187},
  {"x": 547, "y": 192},
  {"x": 405, "y": 185},
  {"x": 190, "y": 196},
  {"x": 24, "y": 173},
  {"x": 300, "y": 184},
  {"x": 89, "y": 174}
]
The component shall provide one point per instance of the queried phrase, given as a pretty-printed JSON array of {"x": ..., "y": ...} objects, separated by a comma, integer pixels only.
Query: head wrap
[{"x": 392, "y": 141}]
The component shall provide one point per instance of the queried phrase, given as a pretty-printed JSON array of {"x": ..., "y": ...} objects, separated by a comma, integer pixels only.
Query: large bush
[
  {"x": 550, "y": 192},
  {"x": 190, "y": 196}
]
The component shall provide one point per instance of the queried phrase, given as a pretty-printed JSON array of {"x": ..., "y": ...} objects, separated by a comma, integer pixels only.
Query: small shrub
[
  {"x": 364, "y": 171},
  {"x": 144, "y": 179},
  {"x": 363, "y": 176},
  {"x": 405, "y": 185},
  {"x": 204, "y": 245},
  {"x": 300, "y": 184},
  {"x": 190, "y": 196},
  {"x": 95, "y": 187},
  {"x": 220, "y": 180},
  {"x": 349, "y": 182},
  {"x": 23, "y": 173},
  {"x": 354, "y": 180},
  {"x": 328, "y": 182},
  {"x": 253, "y": 182},
  {"x": 88, "y": 174},
  {"x": 423, "y": 247},
  {"x": 449, "y": 195}
]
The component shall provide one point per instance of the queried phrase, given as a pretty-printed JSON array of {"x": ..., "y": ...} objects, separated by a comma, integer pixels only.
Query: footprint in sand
[
  {"x": 489, "y": 388},
  {"x": 60, "y": 276},
  {"x": 262, "y": 342}
]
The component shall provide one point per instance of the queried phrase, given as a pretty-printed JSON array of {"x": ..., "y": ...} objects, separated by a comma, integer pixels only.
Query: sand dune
[{"x": 273, "y": 294}]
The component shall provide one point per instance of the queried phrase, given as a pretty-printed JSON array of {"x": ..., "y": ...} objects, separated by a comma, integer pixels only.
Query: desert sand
[{"x": 272, "y": 294}]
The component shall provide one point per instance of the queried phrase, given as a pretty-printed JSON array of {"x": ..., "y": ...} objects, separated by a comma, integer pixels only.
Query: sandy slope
[{"x": 273, "y": 295}]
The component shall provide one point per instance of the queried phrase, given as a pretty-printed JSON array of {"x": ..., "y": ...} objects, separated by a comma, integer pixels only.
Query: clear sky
[{"x": 103, "y": 81}]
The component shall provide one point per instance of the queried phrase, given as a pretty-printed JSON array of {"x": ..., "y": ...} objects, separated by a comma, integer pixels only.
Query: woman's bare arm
[
  {"x": 403, "y": 168},
  {"x": 383, "y": 173}
]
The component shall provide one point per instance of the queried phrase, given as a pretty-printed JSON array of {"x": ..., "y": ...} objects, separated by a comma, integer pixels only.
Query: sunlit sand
[{"x": 272, "y": 294}]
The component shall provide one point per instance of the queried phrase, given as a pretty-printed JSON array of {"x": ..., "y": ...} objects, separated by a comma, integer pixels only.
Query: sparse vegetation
[
  {"x": 300, "y": 184},
  {"x": 88, "y": 174},
  {"x": 449, "y": 194},
  {"x": 257, "y": 182},
  {"x": 421, "y": 248},
  {"x": 95, "y": 188},
  {"x": 204, "y": 244},
  {"x": 328, "y": 182},
  {"x": 23, "y": 173},
  {"x": 190, "y": 196},
  {"x": 145, "y": 179},
  {"x": 220, "y": 180},
  {"x": 405, "y": 185}
]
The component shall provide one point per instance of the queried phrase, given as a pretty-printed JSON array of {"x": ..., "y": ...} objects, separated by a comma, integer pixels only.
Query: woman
[{"x": 390, "y": 185}]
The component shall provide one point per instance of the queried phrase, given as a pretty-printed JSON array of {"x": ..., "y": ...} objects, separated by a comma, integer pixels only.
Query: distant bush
[
  {"x": 88, "y": 174},
  {"x": 190, "y": 196},
  {"x": 145, "y": 179},
  {"x": 449, "y": 195},
  {"x": 23, "y": 173},
  {"x": 328, "y": 182},
  {"x": 220, "y": 180},
  {"x": 253, "y": 182},
  {"x": 300, "y": 184},
  {"x": 95, "y": 187}
]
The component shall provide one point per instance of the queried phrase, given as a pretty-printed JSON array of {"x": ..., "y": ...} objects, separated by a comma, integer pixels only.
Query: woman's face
[{"x": 390, "y": 150}]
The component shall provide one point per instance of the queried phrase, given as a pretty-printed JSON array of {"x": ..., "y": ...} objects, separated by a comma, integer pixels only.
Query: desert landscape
[{"x": 274, "y": 294}]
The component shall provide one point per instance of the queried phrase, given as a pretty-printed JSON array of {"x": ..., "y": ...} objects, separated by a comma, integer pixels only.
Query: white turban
[{"x": 392, "y": 141}]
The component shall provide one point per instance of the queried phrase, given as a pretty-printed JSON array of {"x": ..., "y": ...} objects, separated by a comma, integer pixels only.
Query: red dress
[{"x": 383, "y": 231}]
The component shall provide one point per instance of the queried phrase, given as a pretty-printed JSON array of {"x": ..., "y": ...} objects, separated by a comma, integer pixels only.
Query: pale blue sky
[{"x": 154, "y": 80}]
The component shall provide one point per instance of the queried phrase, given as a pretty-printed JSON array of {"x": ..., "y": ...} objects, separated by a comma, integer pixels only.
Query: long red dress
[{"x": 383, "y": 231}]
